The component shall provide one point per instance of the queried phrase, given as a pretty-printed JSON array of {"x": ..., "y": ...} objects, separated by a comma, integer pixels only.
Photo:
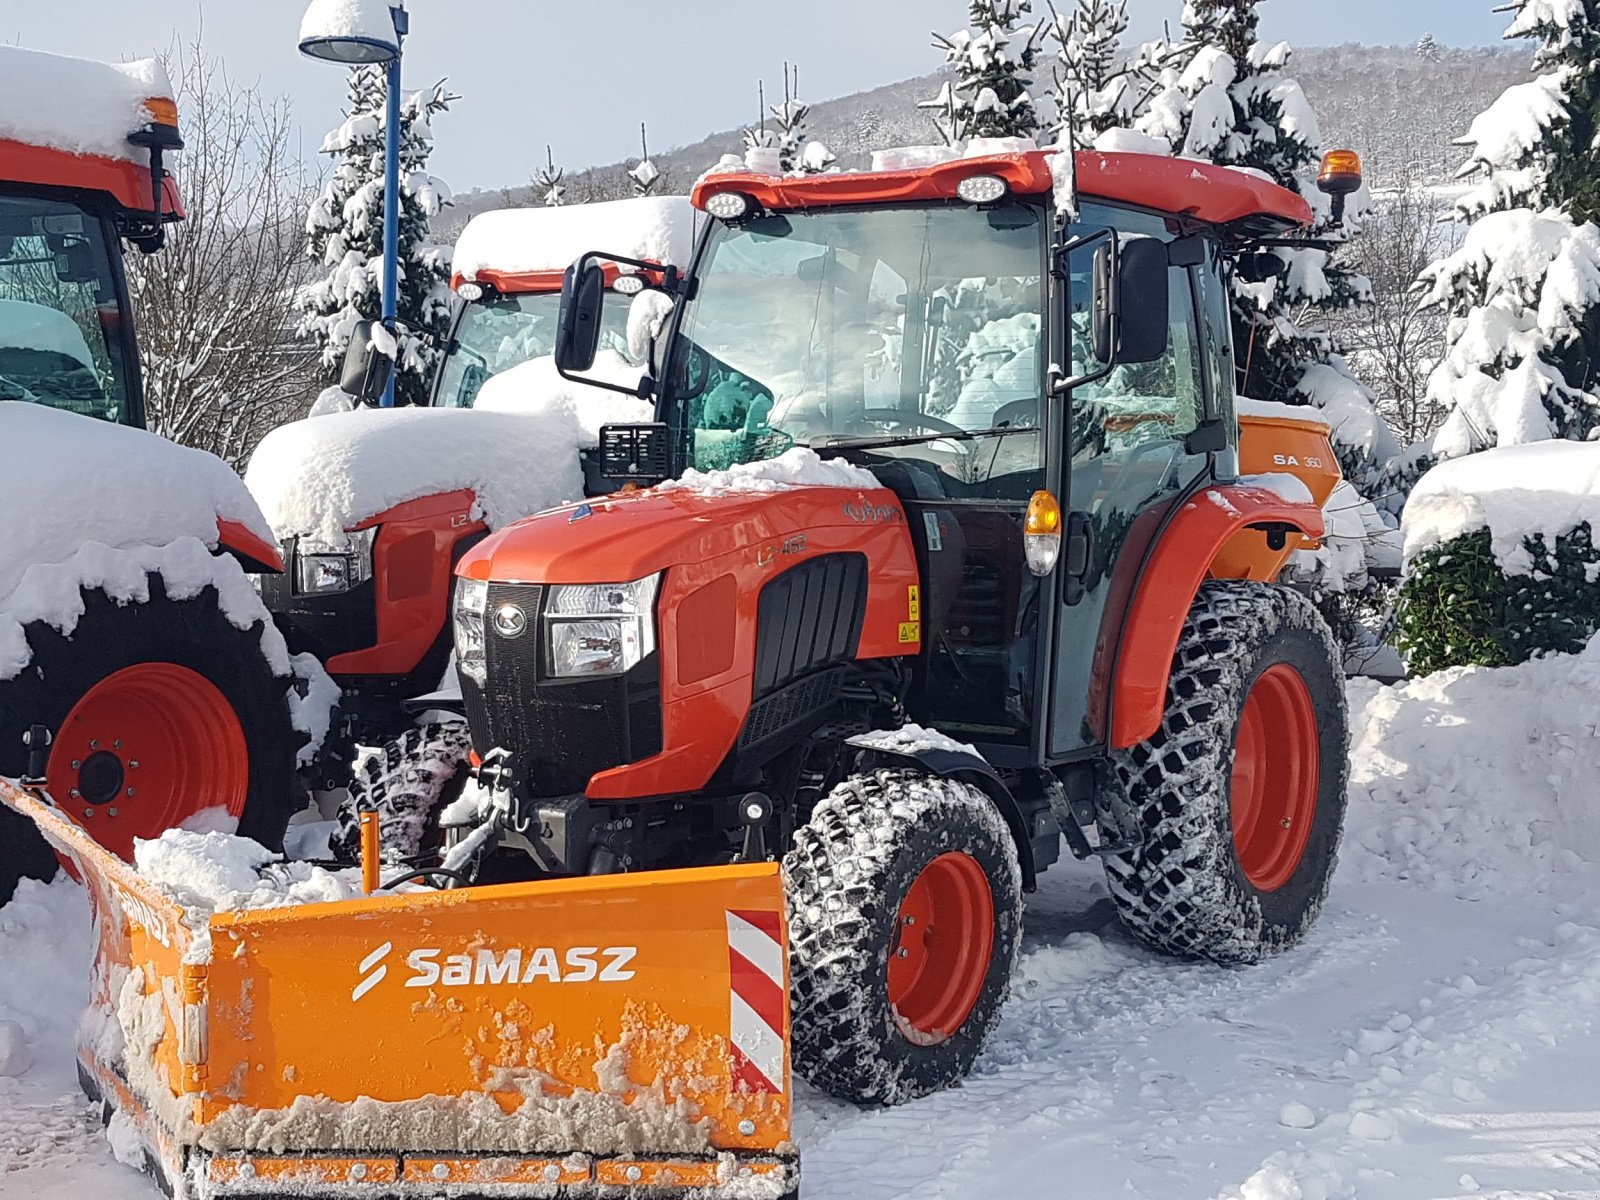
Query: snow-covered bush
[
  {"x": 1501, "y": 561},
  {"x": 1095, "y": 85},
  {"x": 346, "y": 229}
]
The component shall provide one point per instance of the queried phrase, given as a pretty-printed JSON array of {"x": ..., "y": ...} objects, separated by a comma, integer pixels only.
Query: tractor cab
[
  {"x": 1003, "y": 366},
  {"x": 509, "y": 266},
  {"x": 73, "y": 186}
]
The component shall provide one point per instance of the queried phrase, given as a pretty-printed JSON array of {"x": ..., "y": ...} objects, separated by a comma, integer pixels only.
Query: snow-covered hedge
[{"x": 1501, "y": 562}]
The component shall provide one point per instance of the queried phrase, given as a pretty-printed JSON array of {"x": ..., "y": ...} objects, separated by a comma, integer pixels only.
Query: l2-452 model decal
[{"x": 756, "y": 1001}]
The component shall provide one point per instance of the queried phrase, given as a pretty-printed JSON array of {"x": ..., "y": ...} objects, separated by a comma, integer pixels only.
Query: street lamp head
[{"x": 351, "y": 32}]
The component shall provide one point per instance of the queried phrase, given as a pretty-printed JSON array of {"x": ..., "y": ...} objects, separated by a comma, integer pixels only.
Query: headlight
[
  {"x": 600, "y": 628},
  {"x": 322, "y": 569},
  {"x": 472, "y": 597}
]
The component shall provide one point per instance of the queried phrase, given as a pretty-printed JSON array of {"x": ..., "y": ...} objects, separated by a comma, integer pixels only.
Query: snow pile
[
  {"x": 1513, "y": 491},
  {"x": 1271, "y": 410},
  {"x": 535, "y": 389},
  {"x": 1477, "y": 780},
  {"x": 911, "y": 739},
  {"x": 146, "y": 490},
  {"x": 1283, "y": 485},
  {"x": 796, "y": 467},
  {"x": 341, "y": 19},
  {"x": 515, "y": 240},
  {"x": 75, "y": 104},
  {"x": 207, "y": 871},
  {"x": 38, "y": 327},
  {"x": 319, "y": 477}
]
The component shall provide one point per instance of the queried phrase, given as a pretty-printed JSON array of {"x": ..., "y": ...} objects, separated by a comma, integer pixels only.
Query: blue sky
[{"x": 583, "y": 75}]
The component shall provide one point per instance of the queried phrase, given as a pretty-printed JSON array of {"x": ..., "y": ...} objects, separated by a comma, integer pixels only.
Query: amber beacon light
[{"x": 1340, "y": 175}]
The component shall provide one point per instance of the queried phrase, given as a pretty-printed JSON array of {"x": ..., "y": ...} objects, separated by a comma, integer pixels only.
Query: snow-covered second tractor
[
  {"x": 140, "y": 677},
  {"x": 962, "y": 456}
]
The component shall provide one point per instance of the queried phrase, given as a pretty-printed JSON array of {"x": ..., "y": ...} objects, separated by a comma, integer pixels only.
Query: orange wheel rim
[
  {"x": 1276, "y": 772},
  {"x": 143, "y": 750},
  {"x": 943, "y": 940}
]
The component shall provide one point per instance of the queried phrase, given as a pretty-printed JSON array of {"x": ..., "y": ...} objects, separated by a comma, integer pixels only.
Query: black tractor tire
[
  {"x": 848, "y": 876},
  {"x": 407, "y": 782},
  {"x": 109, "y": 637},
  {"x": 1183, "y": 887}
]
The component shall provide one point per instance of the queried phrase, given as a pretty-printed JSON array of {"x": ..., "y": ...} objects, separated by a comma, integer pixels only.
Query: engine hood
[{"x": 634, "y": 534}]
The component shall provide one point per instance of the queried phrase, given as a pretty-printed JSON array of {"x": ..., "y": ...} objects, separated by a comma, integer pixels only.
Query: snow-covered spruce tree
[
  {"x": 549, "y": 184},
  {"x": 797, "y": 154},
  {"x": 1522, "y": 361},
  {"x": 346, "y": 234},
  {"x": 1095, "y": 84},
  {"x": 993, "y": 61},
  {"x": 644, "y": 174},
  {"x": 1225, "y": 97}
]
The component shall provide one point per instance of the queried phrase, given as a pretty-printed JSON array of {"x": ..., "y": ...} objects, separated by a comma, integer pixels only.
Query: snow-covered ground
[{"x": 1435, "y": 1038}]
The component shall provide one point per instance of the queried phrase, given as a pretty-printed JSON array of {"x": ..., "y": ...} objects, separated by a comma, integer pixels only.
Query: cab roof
[
  {"x": 529, "y": 249},
  {"x": 1203, "y": 192},
  {"x": 65, "y": 122}
]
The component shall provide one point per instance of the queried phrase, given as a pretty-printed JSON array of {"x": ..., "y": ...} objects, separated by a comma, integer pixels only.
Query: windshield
[
  {"x": 905, "y": 330},
  {"x": 60, "y": 320},
  {"x": 494, "y": 335}
]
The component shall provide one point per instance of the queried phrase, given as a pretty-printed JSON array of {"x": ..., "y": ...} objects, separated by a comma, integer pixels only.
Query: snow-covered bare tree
[
  {"x": 1523, "y": 290},
  {"x": 993, "y": 61},
  {"x": 346, "y": 230},
  {"x": 1094, "y": 81},
  {"x": 549, "y": 183},
  {"x": 216, "y": 308},
  {"x": 1428, "y": 48}
]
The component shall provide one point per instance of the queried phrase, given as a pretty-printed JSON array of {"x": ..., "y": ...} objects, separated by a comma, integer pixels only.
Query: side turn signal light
[{"x": 1041, "y": 533}]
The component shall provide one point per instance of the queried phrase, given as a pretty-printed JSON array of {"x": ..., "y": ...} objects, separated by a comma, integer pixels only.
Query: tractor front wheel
[
  {"x": 407, "y": 782},
  {"x": 1238, "y": 800},
  {"x": 160, "y": 709},
  {"x": 905, "y": 912}
]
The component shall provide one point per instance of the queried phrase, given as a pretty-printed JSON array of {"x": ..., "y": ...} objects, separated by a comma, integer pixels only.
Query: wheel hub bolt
[
  {"x": 117, "y": 745},
  {"x": 902, "y": 953},
  {"x": 111, "y": 812},
  {"x": 88, "y": 812},
  {"x": 94, "y": 743},
  {"x": 910, "y": 921},
  {"x": 132, "y": 793},
  {"x": 133, "y": 764},
  {"x": 75, "y": 794},
  {"x": 77, "y": 763}
]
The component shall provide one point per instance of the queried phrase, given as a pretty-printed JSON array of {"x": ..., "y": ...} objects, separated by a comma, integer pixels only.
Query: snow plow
[
  {"x": 137, "y": 663},
  {"x": 619, "y": 1037}
]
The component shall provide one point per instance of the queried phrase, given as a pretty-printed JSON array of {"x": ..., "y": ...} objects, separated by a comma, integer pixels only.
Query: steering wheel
[{"x": 894, "y": 416}]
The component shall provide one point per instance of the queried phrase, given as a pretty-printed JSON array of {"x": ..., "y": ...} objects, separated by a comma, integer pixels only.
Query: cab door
[{"x": 1127, "y": 463}]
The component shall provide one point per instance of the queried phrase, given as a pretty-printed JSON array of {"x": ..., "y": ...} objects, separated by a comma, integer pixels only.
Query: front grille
[{"x": 559, "y": 731}]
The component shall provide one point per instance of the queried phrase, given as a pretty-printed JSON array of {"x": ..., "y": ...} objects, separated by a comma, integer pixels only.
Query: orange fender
[{"x": 1185, "y": 554}]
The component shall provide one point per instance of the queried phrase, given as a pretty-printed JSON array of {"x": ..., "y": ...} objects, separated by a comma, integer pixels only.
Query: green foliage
[{"x": 1458, "y": 607}]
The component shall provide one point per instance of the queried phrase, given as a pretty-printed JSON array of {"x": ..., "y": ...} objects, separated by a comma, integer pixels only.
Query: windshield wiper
[{"x": 914, "y": 439}]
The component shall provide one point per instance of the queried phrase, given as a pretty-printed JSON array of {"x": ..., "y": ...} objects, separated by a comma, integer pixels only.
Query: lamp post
[{"x": 356, "y": 34}]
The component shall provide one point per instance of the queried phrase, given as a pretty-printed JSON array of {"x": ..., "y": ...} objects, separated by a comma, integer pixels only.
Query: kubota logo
[{"x": 517, "y": 966}]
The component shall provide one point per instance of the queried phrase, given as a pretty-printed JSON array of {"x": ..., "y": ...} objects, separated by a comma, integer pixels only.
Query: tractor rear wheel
[
  {"x": 158, "y": 710},
  {"x": 1238, "y": 799},
  {"x": 905, "y": 913},
  {"x": 407, "y": 782}
]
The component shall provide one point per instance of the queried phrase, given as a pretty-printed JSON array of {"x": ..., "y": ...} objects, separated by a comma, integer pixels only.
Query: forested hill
[{"x": 1402, "y": 110}]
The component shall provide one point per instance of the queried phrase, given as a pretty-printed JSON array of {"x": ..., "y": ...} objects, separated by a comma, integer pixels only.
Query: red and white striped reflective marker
[{"x": 756, "y": 1004}]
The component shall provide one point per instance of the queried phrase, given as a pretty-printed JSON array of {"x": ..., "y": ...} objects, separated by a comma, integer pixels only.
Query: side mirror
[
  {"x": 368, "y": 362},
  {"x": 1142, "y": 294},
  {"x": 583, "y": 297}
]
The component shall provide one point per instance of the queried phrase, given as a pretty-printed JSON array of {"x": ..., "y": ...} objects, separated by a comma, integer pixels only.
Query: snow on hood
[
  {"x": 76, "y": 104},
  {"x": 72, "y": 481},
  {"x": 535, "y": 387},
  {"x": 657, "y": 228},
  {"x": 32, "y": 326},
  {"x": 796, "y": 467},
  {"x": 1513, "y": 491},
  {"x": 321, "y": 476}
]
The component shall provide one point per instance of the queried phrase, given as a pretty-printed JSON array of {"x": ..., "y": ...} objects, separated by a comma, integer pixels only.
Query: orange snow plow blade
[{"x": 619, "y": 1036}]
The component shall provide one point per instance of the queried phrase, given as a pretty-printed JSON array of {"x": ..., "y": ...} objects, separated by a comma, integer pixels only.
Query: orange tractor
[
  {"x": 140, "y": 675},
  {"x": 938, "y": 555},
  {"x": 961, "y": 458}
]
